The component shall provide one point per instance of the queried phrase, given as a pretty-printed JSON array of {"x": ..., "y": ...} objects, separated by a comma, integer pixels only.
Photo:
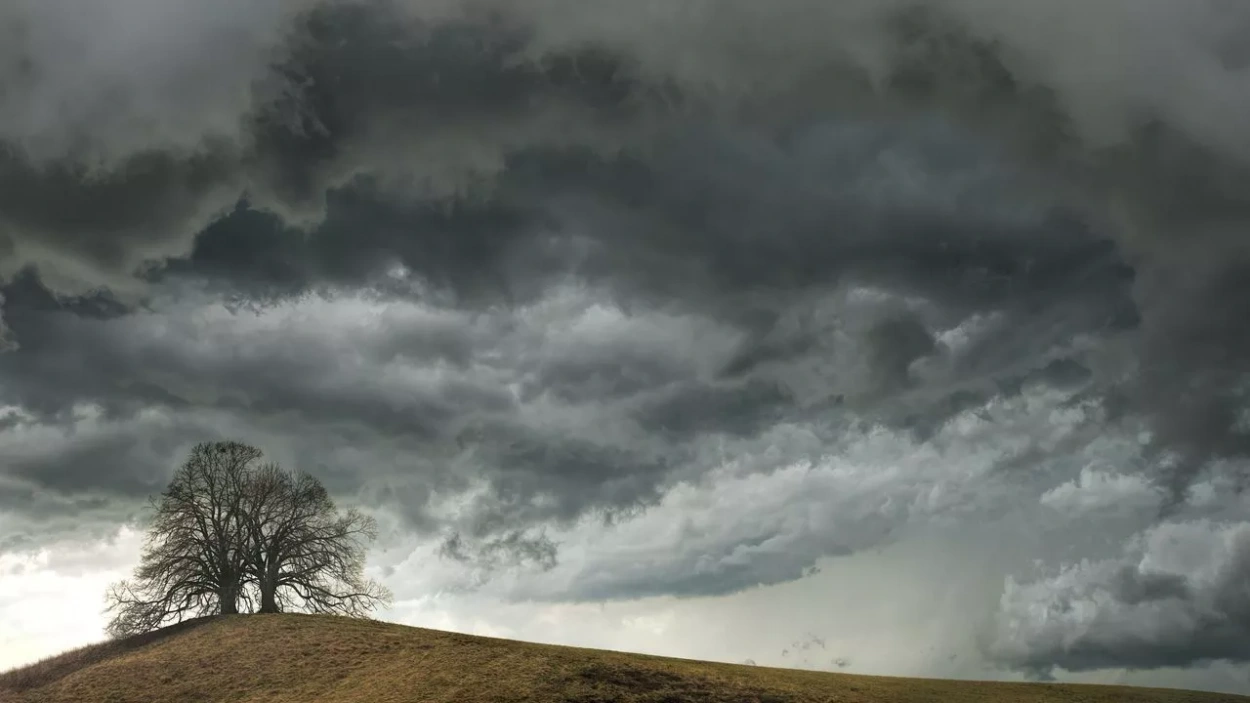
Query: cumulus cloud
[
  {"x": 1174, "y": 598},
  {"x": 1100, "y": 490}
]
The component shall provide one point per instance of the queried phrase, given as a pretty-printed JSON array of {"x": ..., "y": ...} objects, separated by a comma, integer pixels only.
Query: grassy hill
[{"x": 313, "y": 659}]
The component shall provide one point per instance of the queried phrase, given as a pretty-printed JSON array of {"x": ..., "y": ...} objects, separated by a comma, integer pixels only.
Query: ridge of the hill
[{"x": 322, "y": 659}]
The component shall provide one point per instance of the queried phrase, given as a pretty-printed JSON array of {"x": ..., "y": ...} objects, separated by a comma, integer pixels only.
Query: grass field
[{"x": 314, "y": 659}]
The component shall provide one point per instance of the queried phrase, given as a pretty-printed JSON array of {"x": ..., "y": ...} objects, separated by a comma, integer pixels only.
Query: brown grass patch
[
  {"x": 319, "y": 659},
  {"x": 54, "y": 668}
]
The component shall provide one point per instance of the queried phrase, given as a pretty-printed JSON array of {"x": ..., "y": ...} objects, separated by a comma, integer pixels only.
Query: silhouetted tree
[
  {"x": 193, "y": 561},
  {"x": 303, "y": 554},
  {"x": 227, "y": 530}
]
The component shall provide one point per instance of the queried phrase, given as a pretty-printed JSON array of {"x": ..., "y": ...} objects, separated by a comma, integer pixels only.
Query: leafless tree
[
  {"x": 193, "y": 562},
  {"x": 228, "y": 530},
  {"x": 303, "y": 553}
]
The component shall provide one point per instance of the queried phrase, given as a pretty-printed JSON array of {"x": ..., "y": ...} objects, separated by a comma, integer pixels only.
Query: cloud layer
[{"x": 610, "y": 300}]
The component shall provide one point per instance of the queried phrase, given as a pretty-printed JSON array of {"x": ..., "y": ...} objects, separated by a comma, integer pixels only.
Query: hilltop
[{"x": 321, "y": 659}]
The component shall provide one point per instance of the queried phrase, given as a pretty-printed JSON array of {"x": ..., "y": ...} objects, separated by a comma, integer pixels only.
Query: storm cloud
[{"x": 515, "y": 273}]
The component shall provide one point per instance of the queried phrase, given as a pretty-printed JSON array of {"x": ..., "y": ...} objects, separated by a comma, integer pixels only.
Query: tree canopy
[{"x": 230, "y": 534}]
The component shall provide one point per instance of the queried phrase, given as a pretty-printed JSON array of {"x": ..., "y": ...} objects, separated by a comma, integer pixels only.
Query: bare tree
[
  {"x": 193, "y": 562},
  {"x": 303, "y": 554},
  {"x": 228, "y": 531}
]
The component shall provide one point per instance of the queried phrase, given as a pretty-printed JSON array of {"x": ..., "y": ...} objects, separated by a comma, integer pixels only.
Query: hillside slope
[{"x": 313, "y": 659}]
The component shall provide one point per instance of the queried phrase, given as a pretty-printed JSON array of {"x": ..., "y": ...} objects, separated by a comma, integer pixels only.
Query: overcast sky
[{"x": 882, "y": 336}]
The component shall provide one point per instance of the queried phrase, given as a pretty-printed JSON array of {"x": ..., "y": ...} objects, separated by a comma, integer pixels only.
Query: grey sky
[{"x": 667, "y": 309}]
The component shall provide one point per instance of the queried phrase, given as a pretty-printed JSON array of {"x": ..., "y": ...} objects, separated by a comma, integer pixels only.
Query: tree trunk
[
  {"x": 269, "y": 589},
  {"x": 229, "y": 602},
  {"x": 268, "y": 598}
]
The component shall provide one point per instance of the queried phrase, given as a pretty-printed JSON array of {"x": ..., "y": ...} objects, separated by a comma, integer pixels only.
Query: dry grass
[
  {"x": 312, "y": 659},
  {"x": 47, "y": 671}
]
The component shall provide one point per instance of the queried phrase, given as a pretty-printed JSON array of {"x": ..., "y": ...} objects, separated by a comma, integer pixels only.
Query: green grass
[{"x": 320, "y": 659}]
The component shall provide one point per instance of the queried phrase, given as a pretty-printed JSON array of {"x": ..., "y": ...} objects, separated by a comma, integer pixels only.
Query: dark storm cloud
[
  {"x": 711, "y": 222},
  {"x": 822, "y": 212},
  {"x": 1195, "y": 366},
  {"x": 893, "y": 344},
  {"x": 536, "y": 476},
  {"x": 665, "y": 401},
  {"x": 355, "y": 78},
  {"x": 741, "y": 250},
  {"x": 116, "y": 144},
  {"x": 84, "y": 474},
  {"x": 1180, "y": 183},
  {"x": 722, "y": 573},
  {"x": 119, "y": 465},
  {"x": 356, "y": 75},
  {"x": 110, "y": 220},
  {"x": 1007, "y": 201},
  {"x": 139, "y": 360},
  {"x": 338, "y": 90},
  {"x": 697, "y": 408},
  {"x": 428, "y": 385},
  {"x": 510, "y": 549}
]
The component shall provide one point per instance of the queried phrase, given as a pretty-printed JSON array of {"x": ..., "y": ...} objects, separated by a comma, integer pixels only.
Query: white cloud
[{"x": 1097, "y": 489}]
